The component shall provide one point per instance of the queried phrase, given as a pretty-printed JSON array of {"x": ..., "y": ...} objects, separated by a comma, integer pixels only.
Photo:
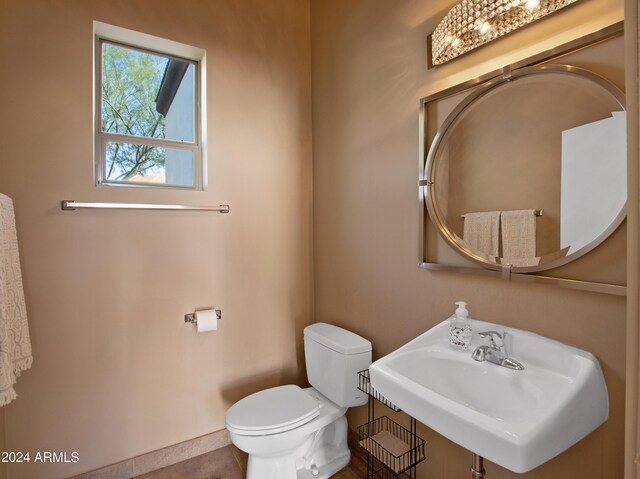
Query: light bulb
[
  {"x": 485, "y": 27},
  {"x": 532, "y": 4}
]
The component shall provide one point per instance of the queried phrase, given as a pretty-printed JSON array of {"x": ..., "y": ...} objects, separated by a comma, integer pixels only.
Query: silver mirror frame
[
  {"x": 485, "y": 83},
  {"x": 431, "y": 165}
]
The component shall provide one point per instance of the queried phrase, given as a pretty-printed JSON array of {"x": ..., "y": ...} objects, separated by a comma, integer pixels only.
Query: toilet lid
[{"x": 272, "y": 410}]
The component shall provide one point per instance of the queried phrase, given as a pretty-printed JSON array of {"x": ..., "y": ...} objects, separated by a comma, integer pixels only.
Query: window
[{"x": 148, "y": 128}]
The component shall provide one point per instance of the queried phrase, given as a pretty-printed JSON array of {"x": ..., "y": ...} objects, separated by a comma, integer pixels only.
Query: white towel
[
  {"x": 519, "y": 238},
  {"x": 481, "y": 232},
  {"x": 15, "y": 347}
]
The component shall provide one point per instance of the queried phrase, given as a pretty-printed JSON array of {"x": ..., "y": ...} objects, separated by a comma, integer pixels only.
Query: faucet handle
[{"x": 492, "y": 335}]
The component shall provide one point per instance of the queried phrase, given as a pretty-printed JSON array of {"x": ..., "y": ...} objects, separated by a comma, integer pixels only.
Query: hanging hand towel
[
  {"x": 481, "y": 232},
  {"x": 519, "y": 238},
  {"x": 15, "y": 347}
]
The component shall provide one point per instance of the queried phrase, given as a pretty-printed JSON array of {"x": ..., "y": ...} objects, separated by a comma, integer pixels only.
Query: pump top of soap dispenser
[{"x": 461, "y": 312}]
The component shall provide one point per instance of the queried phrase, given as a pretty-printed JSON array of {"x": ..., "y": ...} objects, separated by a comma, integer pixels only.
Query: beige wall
[
  {"x": 369, "y": 72},
  {"x": 116, "y": 371},
  {"x": 3, "y": 466}
]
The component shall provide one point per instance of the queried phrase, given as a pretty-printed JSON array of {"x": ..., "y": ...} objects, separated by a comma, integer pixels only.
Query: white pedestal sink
[{"x": 517, "y": 419}]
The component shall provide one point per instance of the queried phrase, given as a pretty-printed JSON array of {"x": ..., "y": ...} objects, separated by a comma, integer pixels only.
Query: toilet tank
[{"x": 334, "y": 356}]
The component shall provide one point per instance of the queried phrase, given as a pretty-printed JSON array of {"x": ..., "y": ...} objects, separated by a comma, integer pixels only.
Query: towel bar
[
  {"x": 535, "y": 212},
  {"x": 70, "y": 205}
]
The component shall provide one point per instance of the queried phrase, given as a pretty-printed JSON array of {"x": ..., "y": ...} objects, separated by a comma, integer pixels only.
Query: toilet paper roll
[{"x": 207, "y": 320}]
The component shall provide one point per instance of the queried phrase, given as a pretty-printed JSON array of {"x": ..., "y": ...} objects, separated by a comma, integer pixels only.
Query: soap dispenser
[{"x": 461, "y": 329}]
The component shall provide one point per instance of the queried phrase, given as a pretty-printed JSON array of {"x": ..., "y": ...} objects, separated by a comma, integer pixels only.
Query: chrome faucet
[{"x": 496, "y": 351}]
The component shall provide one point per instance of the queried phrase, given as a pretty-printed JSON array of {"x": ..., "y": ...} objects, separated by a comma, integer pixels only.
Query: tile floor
[{"x": 230, "y": 463}]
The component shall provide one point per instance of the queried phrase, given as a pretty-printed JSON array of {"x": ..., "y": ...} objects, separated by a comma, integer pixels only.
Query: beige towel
[
  {"x": 15, "y": 347},
  {"x": 519, "y": 238},
  {"x": 481, "y": 232}
]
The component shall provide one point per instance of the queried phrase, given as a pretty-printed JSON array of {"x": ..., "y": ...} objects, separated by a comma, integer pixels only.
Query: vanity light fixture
[{"x": 472, "y": 23}]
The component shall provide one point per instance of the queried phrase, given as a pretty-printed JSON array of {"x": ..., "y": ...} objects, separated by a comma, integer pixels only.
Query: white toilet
[{"x": 293, "y": 433}]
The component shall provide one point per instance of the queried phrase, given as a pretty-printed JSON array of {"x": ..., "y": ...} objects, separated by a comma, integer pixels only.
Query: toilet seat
[{"x": 272, "y": 411}]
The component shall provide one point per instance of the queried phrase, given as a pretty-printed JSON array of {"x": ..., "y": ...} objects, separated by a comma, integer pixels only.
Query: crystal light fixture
[{"x": 472, "y": 23}]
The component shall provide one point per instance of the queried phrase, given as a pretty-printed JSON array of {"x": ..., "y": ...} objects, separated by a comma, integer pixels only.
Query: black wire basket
[
  {"x": 393, "y": 445},
  {"x": 364, "y": 385}
]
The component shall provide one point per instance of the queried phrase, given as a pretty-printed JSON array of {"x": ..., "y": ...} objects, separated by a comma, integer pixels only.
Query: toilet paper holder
[{"x": 191, "y": 317}]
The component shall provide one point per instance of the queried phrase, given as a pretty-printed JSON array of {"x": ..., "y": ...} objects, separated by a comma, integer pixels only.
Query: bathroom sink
[{"x": 517, "y": 419}]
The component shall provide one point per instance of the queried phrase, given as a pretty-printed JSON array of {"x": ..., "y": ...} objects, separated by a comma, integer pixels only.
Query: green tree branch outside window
[{"x": 130, "y": 83}]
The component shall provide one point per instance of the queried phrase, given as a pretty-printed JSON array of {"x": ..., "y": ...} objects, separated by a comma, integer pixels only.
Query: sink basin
[{"x": 517, "y": 419}]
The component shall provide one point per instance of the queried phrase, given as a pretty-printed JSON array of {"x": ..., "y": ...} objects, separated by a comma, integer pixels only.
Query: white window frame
[{"x": 166, "y": 48}]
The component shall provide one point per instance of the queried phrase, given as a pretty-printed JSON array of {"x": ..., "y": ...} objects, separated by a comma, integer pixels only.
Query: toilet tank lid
[{"x": 337, "y": 339}]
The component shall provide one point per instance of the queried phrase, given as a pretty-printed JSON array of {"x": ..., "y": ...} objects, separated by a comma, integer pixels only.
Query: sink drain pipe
[{"x": 477, "y": 467}]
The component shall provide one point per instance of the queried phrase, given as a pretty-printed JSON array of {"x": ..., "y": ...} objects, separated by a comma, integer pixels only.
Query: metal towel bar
[
  {"x": 535, "y": 212},
  {"x": 70, "y": 205}
]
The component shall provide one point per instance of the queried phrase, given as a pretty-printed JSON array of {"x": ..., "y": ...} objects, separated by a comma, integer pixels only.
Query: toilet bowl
[
  {"x": 316, "y": 444},
  {"x": 294, "y": 433}
]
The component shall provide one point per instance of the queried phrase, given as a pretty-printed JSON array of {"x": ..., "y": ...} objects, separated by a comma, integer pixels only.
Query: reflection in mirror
[
  {"x": 531, "y": 172},
  {"x": 594, "y": 179}
]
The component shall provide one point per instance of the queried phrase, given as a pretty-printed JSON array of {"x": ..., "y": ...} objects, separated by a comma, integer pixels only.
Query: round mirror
[{"x": 530, "y": 171}]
